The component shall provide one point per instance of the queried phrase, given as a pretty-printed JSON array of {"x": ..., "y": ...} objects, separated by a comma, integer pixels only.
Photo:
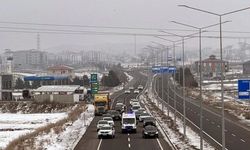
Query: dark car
[
  {"x": 149, "y": 121},
  {"x": 149, "y": 131},
  {"x": 107, "y": 115},
  {"x": 137, "y": 114},
  {"x": 115, "y": 114}
]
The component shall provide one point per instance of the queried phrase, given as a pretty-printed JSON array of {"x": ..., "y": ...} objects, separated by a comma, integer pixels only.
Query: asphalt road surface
[
  {"x": 236, "y": 136},
  {"x": 125, "y": 141}
]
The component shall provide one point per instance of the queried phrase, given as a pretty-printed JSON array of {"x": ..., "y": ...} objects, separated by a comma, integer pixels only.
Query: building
[
  {"x": 6, "y": 87},
  {"x": 212, "y": 66},
  {"x": 30, "y": 59},
  {"x": 7, "y": 62},
  {"x": 59, "y": 93},
  {"x": 60, "y": 70},
  {"x": 246, "y": 68}
]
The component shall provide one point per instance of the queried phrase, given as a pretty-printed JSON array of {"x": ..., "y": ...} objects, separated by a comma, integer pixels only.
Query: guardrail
[
  {"x": 209, "y": 138},
  {"x": 158, "y": 122}
]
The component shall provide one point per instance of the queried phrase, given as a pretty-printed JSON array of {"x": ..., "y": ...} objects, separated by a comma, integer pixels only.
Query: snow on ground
[
  {"x": 192, "y": 137},
  {"x": 70, "y": 136},
  {"x": 14, "y": 125},
  {"x": 128, "y": 76}
]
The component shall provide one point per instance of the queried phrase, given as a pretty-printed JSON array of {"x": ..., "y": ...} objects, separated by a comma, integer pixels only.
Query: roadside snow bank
[
  {"x": 175, "y": 133},
  {"x": 129, "y": 76},
  {"x": 71, "y": 134},
  {"x": 14, "y": 125}
]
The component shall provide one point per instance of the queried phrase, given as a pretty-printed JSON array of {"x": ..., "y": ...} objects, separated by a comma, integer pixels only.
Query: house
[
  {"x": 59, "y": 93},
  {"x": 212, "y": 66},
  {"x": 246, "y": 68}
]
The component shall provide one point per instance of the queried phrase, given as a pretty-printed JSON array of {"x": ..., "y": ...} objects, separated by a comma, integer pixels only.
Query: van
[{"x": 128, "y": 122}]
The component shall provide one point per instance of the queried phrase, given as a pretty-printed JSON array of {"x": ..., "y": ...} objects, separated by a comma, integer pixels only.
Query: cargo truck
[{"x": 102, "y": 102}]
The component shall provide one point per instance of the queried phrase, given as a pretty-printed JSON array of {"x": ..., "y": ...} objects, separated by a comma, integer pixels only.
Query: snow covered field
[
  {"x": 70, "y": 135},
  {"x": 14, "y": 125}
]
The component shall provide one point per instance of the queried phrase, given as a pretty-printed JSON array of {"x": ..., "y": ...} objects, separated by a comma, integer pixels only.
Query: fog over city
[{"x": 150, "y": 14}]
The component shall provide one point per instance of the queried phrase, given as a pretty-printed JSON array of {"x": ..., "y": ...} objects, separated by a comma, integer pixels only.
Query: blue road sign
[
  {"x": 172, "y": 70},
  {"x": 163, "y": 69},
  {"x": 243, "y": 89},
  {"x": 43, "y": 78},
  {"x": 156, "y": 69}
]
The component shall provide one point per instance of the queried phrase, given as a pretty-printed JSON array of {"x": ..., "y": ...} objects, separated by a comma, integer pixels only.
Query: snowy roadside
[
  {"x": 71, "y": 134},
  {"x": 234, "y": 106},
  {"x": 14, "y": 125},
  {"x": 128, "y": 76},
  {"x": 175, "y": 133}
]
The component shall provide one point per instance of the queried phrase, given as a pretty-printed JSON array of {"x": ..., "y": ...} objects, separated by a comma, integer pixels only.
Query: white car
[
  {"x": 136, "y": 91},
  {"x": 133, "y": 100},
  {"x": 135, "y": 108},
  {"x": 140, "y": 87},
  {"x": 106, "y": 131},
  {"x": 109, "y": 120},
  {"x": 127, "y": 91},
  {"x": 135, "y": 103},
  {"x": 143, "y": 116},
  {"x": 131, "y": 88},
  {"x": 142, "y": 110},
  {"x": 101, "y": 123}
]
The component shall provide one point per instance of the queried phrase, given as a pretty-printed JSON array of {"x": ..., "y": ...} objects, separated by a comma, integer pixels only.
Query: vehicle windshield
[
  {"x": 108, "y": 118},
  {"x": 115, "y": 113},
  {"x": 144, "y": 114},
  {"x": 100, "y": 103},
  {"x": 149, "y": 119},
  {"x": 150, "y": 128},
  {"x": 106, "y": 128},
  {"x": 136, "y": 107},
  {"x": 102, "y": 122},
  {"x": 128, "y": 120}
]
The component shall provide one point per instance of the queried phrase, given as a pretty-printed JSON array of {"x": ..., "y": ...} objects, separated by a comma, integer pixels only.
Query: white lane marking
[
  {"x": 233, "y": 134},
  {"x": 128, "y": 134},
  {"x": 218, "y": 126},
  {"x": 243, "y": 140},
  {"x": 129, "y": 139},
  {"x": 159, "y": 143},
  {"x": 99, "y": 145},
  {"x": 129, "y": 145}
]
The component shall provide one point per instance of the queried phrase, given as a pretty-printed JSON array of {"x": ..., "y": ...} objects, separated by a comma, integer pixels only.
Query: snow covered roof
[{"x": 57, "y": 88}]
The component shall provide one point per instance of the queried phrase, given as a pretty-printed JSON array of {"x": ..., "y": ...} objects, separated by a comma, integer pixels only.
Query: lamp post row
[{"x": 200, "y": 70}]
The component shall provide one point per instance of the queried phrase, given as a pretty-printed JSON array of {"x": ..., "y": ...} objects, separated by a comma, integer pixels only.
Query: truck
[
  {"x": 102, "y": 102},
  {"x": 128, "y": 122}
]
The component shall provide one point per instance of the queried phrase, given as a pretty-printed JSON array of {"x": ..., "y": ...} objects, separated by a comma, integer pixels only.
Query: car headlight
[
  {"x": 145, "y": 132},
  {"x": 156, "y": 132}
]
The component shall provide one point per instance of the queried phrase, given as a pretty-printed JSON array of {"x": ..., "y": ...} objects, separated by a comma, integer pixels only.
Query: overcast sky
[{"x": 120, "y": 13}]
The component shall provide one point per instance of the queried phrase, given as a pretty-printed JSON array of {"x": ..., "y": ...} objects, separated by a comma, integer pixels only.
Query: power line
[
  {"x": 81, "y": 32},
  {"x": 114, "y": 27}
]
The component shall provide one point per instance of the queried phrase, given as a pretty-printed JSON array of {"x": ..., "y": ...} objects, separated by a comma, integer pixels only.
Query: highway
[
  {"x": 132, "y": 141},
  {"x": 237, "y": 137}
]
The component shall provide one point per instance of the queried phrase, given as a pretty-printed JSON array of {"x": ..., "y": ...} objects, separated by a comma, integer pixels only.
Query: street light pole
[
  {"x": 200, "y": 73},
  {"x": 221, "y": 63},
  {"x": 174, "y": 63},
  {"x": 183, "y": 81},
  {"x": 183, "y": 89}
]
